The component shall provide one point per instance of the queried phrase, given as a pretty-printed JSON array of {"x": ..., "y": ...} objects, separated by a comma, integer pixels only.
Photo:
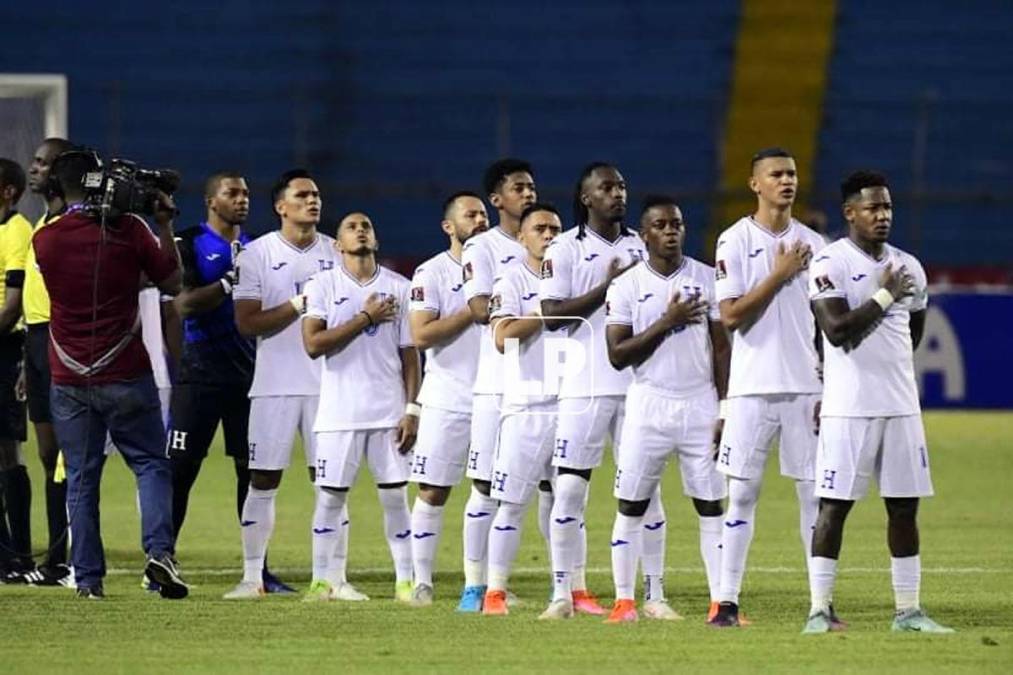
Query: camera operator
[{"x": 102, "y": 378}]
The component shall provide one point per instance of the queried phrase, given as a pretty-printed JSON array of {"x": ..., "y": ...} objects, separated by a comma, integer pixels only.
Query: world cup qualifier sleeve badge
[
  {"x": 720, "y": 270},
  {"x": 546, "y": 269},
  {"x": 418, "y": 294},
  {"x": 495, "y": 303},
  {"x": 823, "y": 284},
  {"x": 469, "y": 271}
]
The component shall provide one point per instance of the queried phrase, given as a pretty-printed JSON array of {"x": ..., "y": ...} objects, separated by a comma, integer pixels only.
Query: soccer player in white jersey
[
  {"x": 357, "y": 319},
  {"x": 511, "y": 188},
  {"x": 869, "y": 298},
  {"x": 663, "y": 320},
  {"x": 269, "y": 298},
  {"x": 578, "y": 268},
  {"x": 524, "y": 447},
  {"x": 773, "y": 387},
  {"x": 441, "y": 323}
]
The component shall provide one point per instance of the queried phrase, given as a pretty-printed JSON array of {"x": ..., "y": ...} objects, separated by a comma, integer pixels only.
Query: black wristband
[{"x": 368, "y": 318}]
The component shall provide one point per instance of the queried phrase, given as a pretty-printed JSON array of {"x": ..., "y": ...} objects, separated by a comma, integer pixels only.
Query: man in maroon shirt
[{"x": 102, "y": 378}]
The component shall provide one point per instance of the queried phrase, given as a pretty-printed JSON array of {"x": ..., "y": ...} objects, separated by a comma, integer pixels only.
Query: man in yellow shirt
[
  {"x": 35, "y": 300},
  {"x": 15, "y": 487}
]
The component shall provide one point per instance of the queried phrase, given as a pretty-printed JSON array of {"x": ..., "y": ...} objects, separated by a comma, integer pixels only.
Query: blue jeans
[{"x": 131, "y": 413}]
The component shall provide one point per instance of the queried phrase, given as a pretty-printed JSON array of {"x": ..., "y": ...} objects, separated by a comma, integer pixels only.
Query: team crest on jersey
[
  {"x": 546, "y": 269},
  {"x": 418, "y": 294},
  {"x": 720, "y": 271},
  {"x": 495, "y": 303},
  {"x": 823, "y": 284},
  {"x": 326, "y": 265},
  {"x": 469, "y": 272}
]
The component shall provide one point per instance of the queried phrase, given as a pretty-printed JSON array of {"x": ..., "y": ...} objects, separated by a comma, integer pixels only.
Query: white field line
[{"x": 236, "y": 571}]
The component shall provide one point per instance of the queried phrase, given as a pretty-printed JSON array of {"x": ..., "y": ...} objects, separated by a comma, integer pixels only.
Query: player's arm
[
  {"x": 411, "y": 376},
  {"x": 430, "y": 329},
  {"x": 845, "y": 326},
  {"x": 252, "y": 320},
  {"x": 628, "y": 349},
  {"x": 319, "y": 340},
  {"x": 582, "y": 305},
  {"x": 196, "y": 298},
  {"x": 917, "y": 326},
  {"x": 515, "y": 328},
  {"x": 164, "y": 214},
  {"x": 11, "y": 310},
  {"x": 740, "y": 313},
  {"x": 721, "y": 356}
]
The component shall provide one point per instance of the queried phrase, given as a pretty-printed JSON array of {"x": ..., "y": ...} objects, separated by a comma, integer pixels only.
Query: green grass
[{"x": 967, "y": 553}]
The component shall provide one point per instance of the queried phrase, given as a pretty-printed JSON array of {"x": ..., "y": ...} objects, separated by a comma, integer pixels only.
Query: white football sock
[
  {"x": 339, "y": 563},
  {"x": 808, "y": 511},
  {"x": 479, "y": 511},
  {"x": 504, "y": 540},
  {"x": 737, "y": 535},
  {"x": 565, "y": 531},
  {"x": 822, "y": 574},
  {"x": 710, "y": 551},
  {"x": 906, "y": 574},
  {"x": 626, "y": 537},
  {"x": 257, "y": 525},
  {"x": 652, "y": 548},
  {"x": 427, "y": 523},
  {"x": 397, "y": 527},
  {"x": 326, "y": 530}
]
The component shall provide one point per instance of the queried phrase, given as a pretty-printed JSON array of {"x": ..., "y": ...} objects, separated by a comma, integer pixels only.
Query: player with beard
[
  {"x": 441, "y": 323},
  {"x": 357, "y": 320},
  {"x": 578, "y": 268}
]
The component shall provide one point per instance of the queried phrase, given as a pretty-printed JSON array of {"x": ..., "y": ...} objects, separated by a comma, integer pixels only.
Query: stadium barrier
[{"x": 963, "y": 361}]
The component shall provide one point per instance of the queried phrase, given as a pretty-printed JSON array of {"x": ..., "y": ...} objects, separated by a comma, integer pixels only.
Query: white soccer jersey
[
  {"x": 516, "y": 294},
  {"x": 149, "y": 306},
  {"x": 361, "y": 385},
  {"x": 485, "y": 257},
  {"x": 876, "y": 377},
  {"x": 438, "y": 286},
  {"x": 573, "y": 267},
  {"x": 273, "y": 271},
  {"x": 681, "y": 365},
  {"x": 777, "y": 353}
]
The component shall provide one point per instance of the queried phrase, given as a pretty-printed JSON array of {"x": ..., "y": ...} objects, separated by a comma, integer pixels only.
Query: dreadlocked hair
[{"x": 579, "y": 210}]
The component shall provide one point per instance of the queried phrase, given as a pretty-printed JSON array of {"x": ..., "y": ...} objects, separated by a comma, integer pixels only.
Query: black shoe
[
  {"x": 727, "y": 616},
  {"x": 164, "y": 573},
  {"x": 17, "y": 573},
  {"x": 50, "y": 575},
  {"x": 92, "y": 593},
  {"x": 273, "y": 584}
]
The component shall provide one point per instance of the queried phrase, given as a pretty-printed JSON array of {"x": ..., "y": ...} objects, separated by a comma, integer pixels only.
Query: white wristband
[
  {"x": 299, "y": 303},
  {"x": 413, "y": 409},
  {"x": 883, "y": 298},
  {"x": 723, "y": 409},
  {"x": 226, "y": 286}
]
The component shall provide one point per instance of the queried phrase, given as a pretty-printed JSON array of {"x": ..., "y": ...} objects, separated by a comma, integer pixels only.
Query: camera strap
[{"x": 103, "y": 361}]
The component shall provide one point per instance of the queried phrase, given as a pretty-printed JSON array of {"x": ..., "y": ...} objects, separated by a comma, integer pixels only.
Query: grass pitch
[{"x": 967, "y": 557}]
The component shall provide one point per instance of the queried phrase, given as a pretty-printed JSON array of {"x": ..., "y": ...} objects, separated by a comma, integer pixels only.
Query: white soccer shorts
[
  {"x": 659, "y": 428},
  {"x": 524, "y": 453},
  {"x": 853, "y": 450},
  {"x": 485, "y": 413},
  {"x": 340, "y": 454},
  {"x": 752, "y": 424},
  {"x": 274, "y": 422},
  {"x": 582, "y": 426},
  {"x": 441, "y": 449}
]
